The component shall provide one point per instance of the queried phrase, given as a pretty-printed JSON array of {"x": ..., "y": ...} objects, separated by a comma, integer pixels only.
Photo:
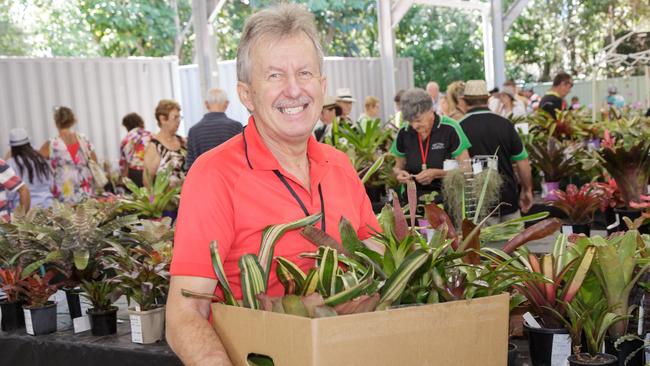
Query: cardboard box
[{"x": 462, "y": 333}]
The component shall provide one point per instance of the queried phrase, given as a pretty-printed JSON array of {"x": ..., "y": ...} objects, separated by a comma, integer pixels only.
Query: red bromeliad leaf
[
  {"x": 540, "y": 230},
  {"x": 322, "y": 239},
  {"x": 401, "y": 226},
  {"x": 312, "y": 301},
  {"x": 437, "y": 217},
  {"x": 474, "y": 242},
  {"x": 411, "y": 192}
]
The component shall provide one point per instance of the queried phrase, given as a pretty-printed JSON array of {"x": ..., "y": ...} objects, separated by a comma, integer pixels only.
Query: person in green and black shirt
[
  {"x": 492, "y": 134},
  {"x": 553, "y": 100},
  {"x": 422, "y": 147}
]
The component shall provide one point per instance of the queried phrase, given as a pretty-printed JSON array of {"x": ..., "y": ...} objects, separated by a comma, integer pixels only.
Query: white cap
[{"x": 18, "y": 137}]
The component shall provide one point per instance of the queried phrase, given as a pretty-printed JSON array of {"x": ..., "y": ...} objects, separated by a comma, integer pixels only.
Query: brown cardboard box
[{"x": 463, "y": 333}]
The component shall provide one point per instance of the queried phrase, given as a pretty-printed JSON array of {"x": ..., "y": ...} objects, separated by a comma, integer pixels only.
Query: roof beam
[{"x": 513, "y": 12}]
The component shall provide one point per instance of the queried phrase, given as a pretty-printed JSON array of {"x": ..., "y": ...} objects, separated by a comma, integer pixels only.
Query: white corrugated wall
[
  {"x": 361, "y": 75},
  {"x": 99, "y": 90}
]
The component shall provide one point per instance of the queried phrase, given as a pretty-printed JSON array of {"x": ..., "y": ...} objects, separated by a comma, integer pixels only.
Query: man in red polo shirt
[{"x": 274, "y": 172}]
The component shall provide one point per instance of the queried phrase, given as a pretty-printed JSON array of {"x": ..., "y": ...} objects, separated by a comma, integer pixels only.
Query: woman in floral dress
[
  {"x": 167, "y": 150},
  {"x": 73, "y": 181},
  {"x": 132, "y": 148}
]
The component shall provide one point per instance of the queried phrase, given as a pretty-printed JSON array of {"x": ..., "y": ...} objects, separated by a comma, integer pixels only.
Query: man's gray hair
[
  {"x": 216, "y": 96},
  {"x": 274, "y": 23},
  {"x": 414, "y": 102}
]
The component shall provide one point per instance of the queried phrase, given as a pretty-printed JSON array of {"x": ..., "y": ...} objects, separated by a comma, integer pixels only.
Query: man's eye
[
  {"x": 275, "y": 76},
  {"x": 305, "y": 75}
]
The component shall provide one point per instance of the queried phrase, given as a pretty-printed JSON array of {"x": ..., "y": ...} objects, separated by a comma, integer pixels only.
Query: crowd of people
[{"x": 62, "y": 169}]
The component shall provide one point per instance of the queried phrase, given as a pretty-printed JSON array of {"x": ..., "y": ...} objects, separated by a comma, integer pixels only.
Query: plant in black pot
[
  {"x": 563, "y": 271},
  {"x": 11, "y": 308},
  {"x": 103, "y": 315},
  {"x": 580, "y": 205},
  {"x": 39, "y": 311}
]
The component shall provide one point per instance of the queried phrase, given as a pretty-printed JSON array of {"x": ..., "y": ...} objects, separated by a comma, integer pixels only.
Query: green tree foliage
[{"x": 446, "y": 44}]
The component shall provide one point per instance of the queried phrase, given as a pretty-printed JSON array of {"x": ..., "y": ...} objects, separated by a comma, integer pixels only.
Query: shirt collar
[{"x": 259, "y": 156}]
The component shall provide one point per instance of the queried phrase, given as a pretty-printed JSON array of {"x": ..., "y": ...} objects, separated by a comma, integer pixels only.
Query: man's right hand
[{"x": 188, "y": 331}]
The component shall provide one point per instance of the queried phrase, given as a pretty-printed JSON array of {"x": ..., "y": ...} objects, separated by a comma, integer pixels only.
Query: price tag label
[
  {"x": 0, "y": 315},
  {"x": 449, "y": 164},
  {"x": 29, "y": 327},
  {"x": 136, "y": 329},
  {"x": 561, "y": 350},
  {"x": 567, "y": 229},
  {"x": 530, "y": 320},
  {"x": 84, "y": 304},
  {"x": 81, "y": 324},
  {"x": 477, "y": 167}
]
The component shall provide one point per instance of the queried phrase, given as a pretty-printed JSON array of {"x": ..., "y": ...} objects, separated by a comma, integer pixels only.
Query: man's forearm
[
  {"x": 192, "y": 338},
  {"x": 525, "y": 176}
]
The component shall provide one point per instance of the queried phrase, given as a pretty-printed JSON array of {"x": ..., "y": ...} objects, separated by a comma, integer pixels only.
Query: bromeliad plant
[
  {"x": 12, "y": 283},
  {"x": 557, "y": 160},
  {"x": 102, "y": 293},
  {"x": 150, "y": 202},
  {"x": 38, "y": 289},
  {"x": 580, "y": 204}
]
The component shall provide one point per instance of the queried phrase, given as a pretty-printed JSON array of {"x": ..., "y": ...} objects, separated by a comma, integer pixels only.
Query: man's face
[
  {"x": 346, "y": 107},
  {"x": 433, "y": 91},
  {"x": 286, "y": 90},
  {"x": 328, "y": 114},
  {"x": 565, "y": 88}
]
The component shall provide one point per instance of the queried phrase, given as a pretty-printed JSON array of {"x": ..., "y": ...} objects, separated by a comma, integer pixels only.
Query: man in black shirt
[
  {"x": 213, "y": 129},
  {"x": 489, "y": 133},
  {"x": 554, "y": 99}
]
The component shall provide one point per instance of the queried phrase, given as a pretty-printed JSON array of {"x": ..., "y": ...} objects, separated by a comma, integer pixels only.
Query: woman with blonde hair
[
  {"x": 69, "y": 154},
  {"x": 455, "y": 102}
]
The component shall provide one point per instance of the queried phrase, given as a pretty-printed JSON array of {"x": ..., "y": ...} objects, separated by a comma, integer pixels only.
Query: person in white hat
[
  {"x": 492, "y": 134},
  {"x": 32, "y": 168},
  {"x": 344, "y": 100},
  {"x": 323, "y": 127},
  {"x": 509, "y": 104}
]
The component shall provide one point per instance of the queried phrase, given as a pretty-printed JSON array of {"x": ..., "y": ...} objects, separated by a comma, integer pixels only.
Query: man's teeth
[{"x": 294, "y": 110}]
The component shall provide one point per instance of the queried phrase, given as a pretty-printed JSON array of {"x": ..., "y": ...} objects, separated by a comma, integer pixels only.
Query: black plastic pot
[
  {"x": 512, "y": 354},
  {"x": 43, "y": 320},
  {"x": 74, "y": 303},
  {"x": 540, "y": 344},
  {"x": 13, "y": 316},
  {"x": 103, "y": 322},
  {"x": 577, "y": 229},
  {"x": 603, "y": 359},
  {"x": 625, "y": 349}
]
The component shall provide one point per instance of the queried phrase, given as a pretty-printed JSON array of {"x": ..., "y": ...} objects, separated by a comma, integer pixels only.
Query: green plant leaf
[
  {"x": 396, "y": 283},
  {"x": 221, "y": 274},
  {"x": 252, "y": 280},
  {"x": 327, "y": 270}
]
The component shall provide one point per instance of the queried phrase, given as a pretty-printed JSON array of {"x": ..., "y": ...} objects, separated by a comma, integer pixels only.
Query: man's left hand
[{"x": 426, "y": 176}]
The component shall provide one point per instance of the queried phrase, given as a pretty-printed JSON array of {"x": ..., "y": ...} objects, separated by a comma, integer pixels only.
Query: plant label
[
  {"x": 449, "y": 164},
  {"x": 530, "y": 320},
  {"x": 136, "y": 328},
  {"x": 561, "y": 349},
  {"x": 29, "y": 327},
  {"x": 0, "y": 315},
  {"x": 567, "y": 229},
  {"x": 477, "y": 167},
  {"x": 81, "y": 324},
  {"x": 647, "y": 349},
  {"x": 522, "y": 128},
  {"x": 58, "y": 297}
]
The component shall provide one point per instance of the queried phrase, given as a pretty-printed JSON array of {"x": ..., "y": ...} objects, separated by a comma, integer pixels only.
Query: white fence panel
[
  {"x": 100, "y": 91},
  {"x": 361, "y": 75}
]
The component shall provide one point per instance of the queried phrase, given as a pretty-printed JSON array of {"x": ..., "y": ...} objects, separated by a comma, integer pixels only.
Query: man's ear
[{"x": 245, "y": 95}]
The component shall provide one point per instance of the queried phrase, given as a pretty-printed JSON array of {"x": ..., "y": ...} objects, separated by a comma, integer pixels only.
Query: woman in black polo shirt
[{"x": 422, "y": 147}]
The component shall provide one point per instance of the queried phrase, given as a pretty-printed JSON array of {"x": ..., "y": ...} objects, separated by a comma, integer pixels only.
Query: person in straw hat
[
  {"x": 344, "y": 100},
  {"x": 323, "y": 127},
  {"x": 492, "y": 134}
]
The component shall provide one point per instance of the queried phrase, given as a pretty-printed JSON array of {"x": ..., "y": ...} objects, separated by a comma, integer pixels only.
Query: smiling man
[{"x": 274, "y": 172}]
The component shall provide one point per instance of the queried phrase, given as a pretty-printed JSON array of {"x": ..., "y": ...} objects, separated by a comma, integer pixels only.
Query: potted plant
[
  {"x": 152, "y": 202},
  {"x": 143, "y": 273},
  {"x": 580, "y": 205},
  {"x": 103, "y": 315},
  {"x": 620, "y": 261},
  {"x": 39, "y": 312},
  {"x": 555, "y": 159},
  {"x": 11, "y": 308},
  {"x": 563, "y": 271}
]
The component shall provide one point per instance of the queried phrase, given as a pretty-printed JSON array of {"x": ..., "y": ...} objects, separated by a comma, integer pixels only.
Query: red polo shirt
[{"x": 231, "y": 194}]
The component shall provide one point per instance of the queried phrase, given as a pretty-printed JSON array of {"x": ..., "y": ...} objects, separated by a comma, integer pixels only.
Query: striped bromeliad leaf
[
  {"x": 353, "y": 291},
  {"x": 252, "y": 280},
  {"x": 287, "y": 281},
  {"x": 311, "y": 283},
  {"x": 295, "y": 273},
  {"x": 272, "y": 234},
  {"x": 221, "y": 274},
  {"x": 327, "y": 270},
  {"x": 396, "y": 283}
]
